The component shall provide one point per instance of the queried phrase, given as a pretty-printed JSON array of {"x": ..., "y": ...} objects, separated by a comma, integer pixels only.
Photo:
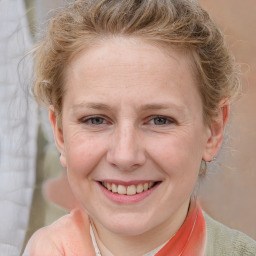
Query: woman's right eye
[{"x": 97, "y": 120}]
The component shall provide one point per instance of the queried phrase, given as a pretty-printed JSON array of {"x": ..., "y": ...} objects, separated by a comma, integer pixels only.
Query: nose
[{"x": 126, "y": 151}]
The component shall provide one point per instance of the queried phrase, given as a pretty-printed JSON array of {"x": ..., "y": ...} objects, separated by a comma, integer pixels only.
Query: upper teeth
[{"x": 128, "y": 190}]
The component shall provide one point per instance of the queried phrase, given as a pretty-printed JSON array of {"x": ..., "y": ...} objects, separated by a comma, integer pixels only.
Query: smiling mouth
[{"x": 128, "y": 190}]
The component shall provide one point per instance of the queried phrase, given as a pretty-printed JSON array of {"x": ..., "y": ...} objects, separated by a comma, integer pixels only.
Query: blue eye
[
  {"x": 97, "y": 120},
  {"x": 161, "y": 120}
]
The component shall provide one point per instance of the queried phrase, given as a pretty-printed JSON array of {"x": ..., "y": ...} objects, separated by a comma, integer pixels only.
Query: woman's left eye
[{"x": 161, "y": 120}]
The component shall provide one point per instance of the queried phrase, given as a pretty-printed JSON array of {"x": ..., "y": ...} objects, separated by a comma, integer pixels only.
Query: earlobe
[
  {"x": 58, "y": 135},
  {"x": 216, "y": 131},
  {"x": 63, "y": 160}
]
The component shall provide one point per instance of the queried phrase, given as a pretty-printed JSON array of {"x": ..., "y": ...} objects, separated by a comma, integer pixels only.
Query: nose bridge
[{"x": 126, "y": 150}]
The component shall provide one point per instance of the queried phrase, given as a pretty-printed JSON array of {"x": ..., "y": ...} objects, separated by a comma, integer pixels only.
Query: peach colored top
[{"x": 70, "y": 236}]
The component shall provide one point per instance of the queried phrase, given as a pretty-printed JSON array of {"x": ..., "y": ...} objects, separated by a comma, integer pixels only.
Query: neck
[{"x": 138, "y": 245}]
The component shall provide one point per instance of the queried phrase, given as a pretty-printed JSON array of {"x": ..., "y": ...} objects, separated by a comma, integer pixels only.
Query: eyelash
[
  {"x": 89, "y": 120},
  {"x": 167, "y": 120}
]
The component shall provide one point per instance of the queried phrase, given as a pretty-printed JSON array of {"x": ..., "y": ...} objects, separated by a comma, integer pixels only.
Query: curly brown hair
[{"x": 177, "y": 23}]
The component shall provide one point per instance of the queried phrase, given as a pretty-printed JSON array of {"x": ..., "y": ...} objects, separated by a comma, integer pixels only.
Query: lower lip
[{"x": 125, "y": 199}]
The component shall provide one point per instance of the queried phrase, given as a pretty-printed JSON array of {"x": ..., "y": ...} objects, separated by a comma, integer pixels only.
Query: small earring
[{"x": 214, "y": 159}]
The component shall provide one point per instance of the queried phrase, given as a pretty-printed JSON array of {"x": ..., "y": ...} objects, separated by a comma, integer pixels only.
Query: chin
[
  {"x": 128, "y": 229},
  {"x": 126, "y": 224}
]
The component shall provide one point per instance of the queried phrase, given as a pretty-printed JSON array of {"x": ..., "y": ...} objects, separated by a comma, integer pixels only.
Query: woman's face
[{"x": 132, "y": 135}]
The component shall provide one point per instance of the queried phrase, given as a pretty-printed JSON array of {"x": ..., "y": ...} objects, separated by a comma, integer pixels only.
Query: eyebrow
[
  {"x": 151, "y": 106},
  {"x": 92, "y": 105},
  {"x": 155, "y": 106}
]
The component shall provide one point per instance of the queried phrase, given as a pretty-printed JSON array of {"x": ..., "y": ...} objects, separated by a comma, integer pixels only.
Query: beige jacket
[{"x": 223, "y": 241}]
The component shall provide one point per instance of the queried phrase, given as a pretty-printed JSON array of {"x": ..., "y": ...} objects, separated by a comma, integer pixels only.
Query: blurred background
[
  {"x": 31, "y": 178},
  {"x": 229, "y": 191}
]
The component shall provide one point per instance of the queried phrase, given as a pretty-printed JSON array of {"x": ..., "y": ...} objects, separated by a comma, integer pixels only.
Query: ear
[
  {"x": 58, "y": 136},
  {"x": 216, "y": 131}
]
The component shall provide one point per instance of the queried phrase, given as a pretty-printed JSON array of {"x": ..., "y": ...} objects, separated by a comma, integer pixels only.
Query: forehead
[
  {"x": 123, "y": 66},
  {"x": 130, "y": 53}
]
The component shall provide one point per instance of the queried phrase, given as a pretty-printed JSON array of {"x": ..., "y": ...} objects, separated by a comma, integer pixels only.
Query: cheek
[
  {"x": 177, "y": 155},
  {"x": 83, "y": 154}
]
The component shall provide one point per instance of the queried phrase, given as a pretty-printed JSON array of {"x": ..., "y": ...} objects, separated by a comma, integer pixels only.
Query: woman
[{"x": 138, "y": 95}]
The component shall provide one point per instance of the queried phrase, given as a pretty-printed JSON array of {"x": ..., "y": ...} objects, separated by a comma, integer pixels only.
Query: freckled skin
[{"x": 115, "y": 81}]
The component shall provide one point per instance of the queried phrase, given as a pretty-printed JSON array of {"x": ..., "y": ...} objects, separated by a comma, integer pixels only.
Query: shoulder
[
  {"x": 42, "y": 243},
  {"x": 70, "y": 235},
  {"x": 222, "y": 240}
]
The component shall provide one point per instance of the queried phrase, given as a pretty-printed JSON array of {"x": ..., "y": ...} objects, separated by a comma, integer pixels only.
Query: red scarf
[{"x": 190, "y": 240}]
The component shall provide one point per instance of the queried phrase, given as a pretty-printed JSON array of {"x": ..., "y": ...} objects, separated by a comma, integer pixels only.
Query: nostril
[{"x": 126, "y": 162}]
